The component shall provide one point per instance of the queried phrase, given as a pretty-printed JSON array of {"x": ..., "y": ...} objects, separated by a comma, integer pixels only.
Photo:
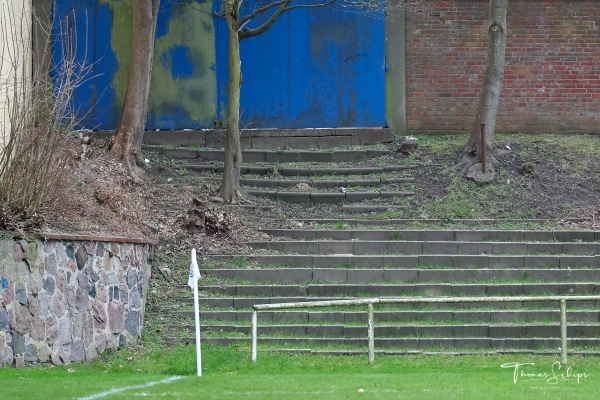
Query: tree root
[
  {"x": 463, "y": 166},
  {"x": 236, "y": 199},
  {"x": 137, "y": 175},
  {"x": 467, "y": 162}
]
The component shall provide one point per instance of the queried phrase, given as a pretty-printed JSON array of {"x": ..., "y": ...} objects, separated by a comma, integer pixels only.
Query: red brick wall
[{"x": 552, "y": 76}]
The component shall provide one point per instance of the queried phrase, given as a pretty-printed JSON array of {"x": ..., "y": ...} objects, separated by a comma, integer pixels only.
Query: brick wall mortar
[{"x": 552, "y": 76}]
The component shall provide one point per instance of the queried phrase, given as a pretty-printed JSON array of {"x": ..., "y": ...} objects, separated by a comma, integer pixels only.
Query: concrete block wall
[
  {"x": 552, "y": 80},
  {"x": 67, "y": 299}
]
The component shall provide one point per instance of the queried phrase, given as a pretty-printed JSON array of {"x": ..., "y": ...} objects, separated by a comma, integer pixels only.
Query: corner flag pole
[{"x": 193, "y": 277}]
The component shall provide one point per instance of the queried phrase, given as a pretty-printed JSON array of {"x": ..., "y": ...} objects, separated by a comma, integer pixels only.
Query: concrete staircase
[
  {"x": 316, "y": 178},
  {"x": 327, "y": 256}
]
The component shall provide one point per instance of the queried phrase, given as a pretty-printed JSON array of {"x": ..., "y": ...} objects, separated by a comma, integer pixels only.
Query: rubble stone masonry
[{"x": 67, "y": 300}]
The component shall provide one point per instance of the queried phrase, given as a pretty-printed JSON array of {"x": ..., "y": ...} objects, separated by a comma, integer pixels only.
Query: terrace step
[
  {"x": 271, "y": 138},
  {"x": 460, "y": 352},
  {"x": 237, "y": 302},
  {"x": 371, "y": 209},
  {"x": 494, "y": 331},
  {"x": 327, "y": 197},
  {"x": 365, "y": 222},
  {"x": 506, "y": 315},
  {"x": 372, "y": 247},
  {"x": 270, "y": 156},
  {"x": 356, "y": 262},
  {"x": 459, "y": 235},
  {"x": 413, "y": 261},
  {"x": 321, "y": 183},
  {"x": 344, "y": 209},
  {"x": 427, "y": 283},
  {"x": 302, "y": 171},
  {"x": 405, "y": 275},
  {"x": 406, "y": 343}
]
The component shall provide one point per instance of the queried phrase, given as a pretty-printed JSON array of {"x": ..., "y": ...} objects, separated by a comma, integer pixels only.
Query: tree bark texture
[
  {"x": 236, "y": 24},
  {"x": 126, "y": 143},
  {"x": 230, "y": 186},
  {"x": 489, "y": 97}
]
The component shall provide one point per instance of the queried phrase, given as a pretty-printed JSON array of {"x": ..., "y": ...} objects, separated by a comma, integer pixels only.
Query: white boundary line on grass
[
  {"x": 317, "y": 392},
  {"x": 145, "y": 385}
]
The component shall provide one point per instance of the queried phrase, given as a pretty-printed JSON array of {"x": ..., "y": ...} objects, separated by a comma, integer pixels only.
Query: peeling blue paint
[
  {"x": 171, "y": 114},
  {"x": 93, "y": 100},
  {"x": 4, "y": 283},
  {"x": 313, "y": 68},
  {"x": 162, "y": 25},
  {"x": 176, "y": 59}
]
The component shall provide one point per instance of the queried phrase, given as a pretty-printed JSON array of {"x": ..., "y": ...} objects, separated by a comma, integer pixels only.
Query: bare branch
[
  {"x": 246, "y": 33},
  {"x": 242, "y": 21},
  {"x": 38, "y": 116},
  {"x": 361, "y": 6},
  {"x": 311, "y": 5}
]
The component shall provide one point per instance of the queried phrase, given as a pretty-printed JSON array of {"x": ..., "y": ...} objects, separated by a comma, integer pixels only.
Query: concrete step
[
  {"x": 270, "y": 138},
  {"x": 426, "y": 285},
  {"x": 322, "y": 183},
  {"x": 500, "y": 330},
  {"x": 371, "y": 209},
  {"x": 302, "y": 171},
  {"x": 405, "y": 343},
  {"x": 345, "y": 260},
  {"x": 428, "y": 352},
  {"x": 410, "y": 290},
  {"x": 362, "y": 223},
  {"x": 459, "y": 235},
  {"x": 384, "y": 316},
  {"x": 271, "y": 156},
  {"x": 373, "y": 247},
  {"x": 406, "y": 275},
  {"x": 327, "y": 197},
  {"x": 344, "y": 209}
]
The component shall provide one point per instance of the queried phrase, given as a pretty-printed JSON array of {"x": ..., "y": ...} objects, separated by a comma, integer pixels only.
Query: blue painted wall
[
  {"x": 94, "y": 98},
  {"x": 313, "y": 68}
]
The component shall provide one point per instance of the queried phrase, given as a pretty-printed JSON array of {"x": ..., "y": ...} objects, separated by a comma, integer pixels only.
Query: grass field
[{"x": 150, "y": 371}]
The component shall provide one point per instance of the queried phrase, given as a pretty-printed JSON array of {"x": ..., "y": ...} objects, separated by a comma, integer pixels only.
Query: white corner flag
[
  {"x": 194, "y": 273},
  {"x": 193, "y": 277}
]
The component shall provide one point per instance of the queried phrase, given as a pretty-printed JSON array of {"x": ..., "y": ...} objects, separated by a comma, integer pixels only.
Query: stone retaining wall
[{"x": 67, "y": 299}]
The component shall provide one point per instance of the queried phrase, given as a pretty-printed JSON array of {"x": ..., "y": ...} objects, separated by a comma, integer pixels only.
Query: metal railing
[{"x": 403, "y": 300}]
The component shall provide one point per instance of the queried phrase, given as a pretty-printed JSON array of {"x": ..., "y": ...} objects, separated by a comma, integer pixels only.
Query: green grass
[
  {"x": 188, "y": 324},
  {"x": 446, "y": 224},
  {"x": 228, "y": 373},
  {"x": 583, "y": 144},
  {"x": 240, "y": 262},
  {"x": 467, "y": 199},
  {"x": 442, "y": 143},
  {"x": 587, "y": 144}
]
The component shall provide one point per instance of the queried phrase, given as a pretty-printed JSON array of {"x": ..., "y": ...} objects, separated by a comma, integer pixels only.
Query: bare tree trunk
[
  {"x": 239, "y": 30},
  {"x": 126, "y": 144},
  {"x": 489, "y": 98},
  {"x": 230, "y": 186}
]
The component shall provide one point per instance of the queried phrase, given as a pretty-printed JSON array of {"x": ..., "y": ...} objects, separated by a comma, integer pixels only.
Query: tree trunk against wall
[
  {"x": 239, "y": 29},
  {"x": 489, "y": 97},
  {"x": 230, "y": 186},
  {"x": 126, "y": 144}
]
